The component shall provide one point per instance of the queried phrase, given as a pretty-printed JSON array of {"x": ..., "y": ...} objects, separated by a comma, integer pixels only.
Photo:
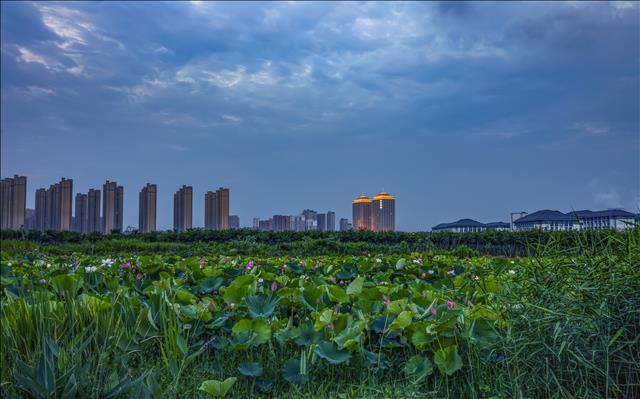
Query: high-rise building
[
  {"x": 54, "y": 206},
  {"x": 256, "y": 223},
  {"x": 331, "y": 221},
  {"x": 211, "y": 210},
  {"x": 13, "y": 197},
  {"x": 216, "y": 209},
  {"x": 377, "y": 213},
  {"x": 147, "y": 209},
  {"x": 41, "y": 209},
  {"x": 94, "y": 222},
  {"x": 82, "y": 214},
  {"x": 265, "y": 225},
  {"x": 309, "y": 220},
  {"x": 183, "y": 208},
  {"x": 234, "y": 222},
  {"x": 362, "y": 213},
  {"x": 119, "y": 208},
  {"x": 65, "y": 204},
  {"x": 112, "y": 207},
  {"x": 281, "y": 223},
  {"x": 383, "y": 212},
  {"x": 30, "y": 219},
  {"x": 345, "y": 225},
  {"x": 322, "y": 221}
]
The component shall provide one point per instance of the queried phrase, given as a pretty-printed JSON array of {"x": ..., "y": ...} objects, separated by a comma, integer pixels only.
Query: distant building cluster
[
  {"x": 375, "y": 214},
  {"x": 103, "y": 211},
  {"x": 548, "y": 220},
  {"x": 306, "y": 221}
]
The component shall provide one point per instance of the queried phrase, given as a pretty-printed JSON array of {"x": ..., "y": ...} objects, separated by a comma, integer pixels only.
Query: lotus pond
[{"x": 417, "y": 325}]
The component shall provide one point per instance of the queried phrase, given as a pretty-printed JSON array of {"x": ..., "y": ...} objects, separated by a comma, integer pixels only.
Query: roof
[
  {"x": 362, "y": 199},
  {"x": 459, "y": 223},
  {"x": 384, "y": 196},
  {"x": 605, "y": 213},
  {"x": 495, "y": 225},
  {"x": 548, "y": 215},
  {"x": 545, "y": 216}
]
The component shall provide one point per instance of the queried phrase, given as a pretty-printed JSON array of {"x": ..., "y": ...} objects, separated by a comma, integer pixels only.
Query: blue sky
[{"x": 459, "y": 109}]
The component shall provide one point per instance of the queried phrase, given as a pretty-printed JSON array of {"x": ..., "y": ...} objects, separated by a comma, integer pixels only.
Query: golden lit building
[
  {"x": 376, "y": 214},
  {"x": 362, "y": 213},
  {"x": 383, "y": 212}
]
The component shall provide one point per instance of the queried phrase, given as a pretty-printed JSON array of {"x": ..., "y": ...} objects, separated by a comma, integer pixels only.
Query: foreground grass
[{"x": 573, "y": 331}]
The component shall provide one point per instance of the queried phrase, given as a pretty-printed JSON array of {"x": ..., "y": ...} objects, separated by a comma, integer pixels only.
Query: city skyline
[
  {"x": 458, "y": 108},
  {"x": 56, "y": 209}
]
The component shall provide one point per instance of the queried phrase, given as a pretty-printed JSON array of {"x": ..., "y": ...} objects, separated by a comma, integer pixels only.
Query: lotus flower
[
  {"x": 107, "y": 262},
  {"x": 139, "y": 276},
  {"x": 42, "y": 281},
  {"x": 451, "y": 272},
  {"x": 434, "y": 312},
  {"x": 250, "y": 265},
  {"x": 274, "y": 286},
  {"x": 449, "y": 304}
]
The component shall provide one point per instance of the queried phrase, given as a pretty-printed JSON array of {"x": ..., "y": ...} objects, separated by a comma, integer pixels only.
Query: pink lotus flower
[
  {"x": 274, "y": 286},
  {"x": 434, "y": 312},
  {"x": 139, "y": 276},
  {"x": 386, "y": 300},
  {"x": 127, "y": 265},
  {"x": 250, "y": 265},
  {"x": 449, "y": 304},
  {"x": 283, "y": 269}
]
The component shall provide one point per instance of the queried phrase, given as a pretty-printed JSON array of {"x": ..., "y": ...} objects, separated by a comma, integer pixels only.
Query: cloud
[
  {"x": 608, "y": 199},
  {"x": 231, "y": 118},
  {"x": 590, "y": 129},
  {"x": 29, "y": 56}
]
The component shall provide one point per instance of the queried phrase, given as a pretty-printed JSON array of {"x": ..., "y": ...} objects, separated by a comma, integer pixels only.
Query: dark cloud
[{"x": 462, "y": 109}]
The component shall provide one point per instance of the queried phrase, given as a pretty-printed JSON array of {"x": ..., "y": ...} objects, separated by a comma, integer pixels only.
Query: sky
[{"x": 460, "y": 110}]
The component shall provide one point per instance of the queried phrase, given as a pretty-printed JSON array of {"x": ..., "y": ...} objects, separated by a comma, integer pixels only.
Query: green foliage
[
  {"x": 561, "y": 323},
  {"x": 217, "y": 389}
]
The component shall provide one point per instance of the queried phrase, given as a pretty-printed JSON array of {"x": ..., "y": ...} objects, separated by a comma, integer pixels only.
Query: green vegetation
[
  {"x": 78, "y": 322},
  {"x": 249, "y": 242}
]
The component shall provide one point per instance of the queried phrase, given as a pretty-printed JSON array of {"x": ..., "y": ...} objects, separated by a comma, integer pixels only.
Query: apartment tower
[
  {"x": 216, "y": 209},
  {"x": 13, "y": 197},
  {"x": 81, "y": 217},
  {"x": 147, "y": 209},
  {"x": 112, "y": 207},
  {"x": 94, "y": 223},
  {"x": 183, "y": 208},
  {"x": 362, "y": 213},
  {"x": 54, "y": 206},
  {"x": 383, "y": 212}
]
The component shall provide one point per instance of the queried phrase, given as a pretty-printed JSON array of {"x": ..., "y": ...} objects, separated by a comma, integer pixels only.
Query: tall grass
[{"x": 573, "y": 332}]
